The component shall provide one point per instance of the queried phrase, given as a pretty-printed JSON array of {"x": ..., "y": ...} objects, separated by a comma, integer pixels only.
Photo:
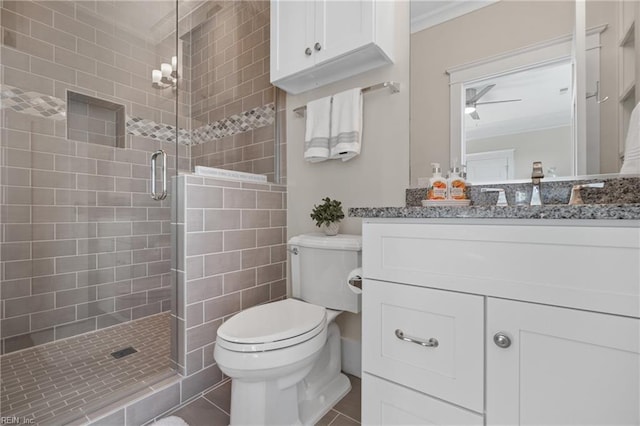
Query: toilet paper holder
[{"x": 356, "y": 281}]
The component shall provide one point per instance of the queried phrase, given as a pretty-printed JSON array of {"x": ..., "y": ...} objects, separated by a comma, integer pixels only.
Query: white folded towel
[
  {"x": 631, "y": 163},
  {"x": 346, "y": 125},
  {"x": 316, "y": 139}
]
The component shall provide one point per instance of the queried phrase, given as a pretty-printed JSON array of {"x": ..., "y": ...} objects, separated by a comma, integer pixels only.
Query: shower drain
[{"x": 123, "y": 352}]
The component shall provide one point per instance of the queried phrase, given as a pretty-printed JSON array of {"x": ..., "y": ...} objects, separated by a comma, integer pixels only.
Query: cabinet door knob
[
  {"x": 307, "y": 51},
  {"x": 502, "y": 340},
  {"x": 318, "y": 47}
]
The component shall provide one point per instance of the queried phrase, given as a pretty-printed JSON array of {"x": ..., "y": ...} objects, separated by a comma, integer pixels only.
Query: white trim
[
  {"x": 523, "y": 50},
  {"x": 446, "y": 12},
  {"x": 547, "y": 52},
  {"x": 580, "y": 88}
]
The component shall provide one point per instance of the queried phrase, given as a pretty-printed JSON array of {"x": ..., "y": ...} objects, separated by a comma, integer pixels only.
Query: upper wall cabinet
[{"x": 314, "y": 43}]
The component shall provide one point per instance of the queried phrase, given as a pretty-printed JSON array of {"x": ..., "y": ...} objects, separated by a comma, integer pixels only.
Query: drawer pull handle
[{"x": 431, "y": 343}]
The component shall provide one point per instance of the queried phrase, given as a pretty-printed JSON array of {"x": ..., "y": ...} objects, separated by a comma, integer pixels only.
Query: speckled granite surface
[
  {"x": 619, "y": 199},
  {"x": 587, "y": 211},
  {"x": 616, "y": 190}
]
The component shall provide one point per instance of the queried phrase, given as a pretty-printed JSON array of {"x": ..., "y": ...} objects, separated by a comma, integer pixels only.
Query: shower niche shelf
[{"x": 95, "y": 120}]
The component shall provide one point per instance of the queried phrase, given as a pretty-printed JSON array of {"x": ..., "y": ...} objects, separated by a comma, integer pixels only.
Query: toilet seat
[{"x": 272, "y": 326}]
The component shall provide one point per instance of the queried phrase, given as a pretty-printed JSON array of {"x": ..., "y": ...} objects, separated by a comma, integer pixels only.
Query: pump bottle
[
  {"x": 457, "y": 185},
  {"x": 437, "y": 184}
]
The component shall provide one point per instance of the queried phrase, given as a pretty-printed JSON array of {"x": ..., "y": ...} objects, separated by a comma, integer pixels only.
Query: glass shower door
[{"x": 86, "y": 284}]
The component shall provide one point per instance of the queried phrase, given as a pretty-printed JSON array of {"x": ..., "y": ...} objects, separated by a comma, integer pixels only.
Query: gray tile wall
[
  {"x": 230, "y": 75},
  {"x": 251, "y": 151},
  {"x": 83, "y": 245},
  {"x": 94, "y": 120},
  {"x": 230, "y": 62},
  {"x": 231, "y": 255}
]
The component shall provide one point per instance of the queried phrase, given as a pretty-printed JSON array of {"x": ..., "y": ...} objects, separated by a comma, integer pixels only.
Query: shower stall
[{"x": 117, "y": 261}]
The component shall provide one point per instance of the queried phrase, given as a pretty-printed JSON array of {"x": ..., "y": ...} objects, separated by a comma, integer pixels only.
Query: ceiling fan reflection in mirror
[{"x": 474, "y": 94}]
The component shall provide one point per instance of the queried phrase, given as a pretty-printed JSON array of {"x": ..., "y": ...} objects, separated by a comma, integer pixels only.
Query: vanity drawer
[
  {"x": 565, "y": 263},
  {"x": 452, "y": 370},
  {"x": 386, "y": 403}
]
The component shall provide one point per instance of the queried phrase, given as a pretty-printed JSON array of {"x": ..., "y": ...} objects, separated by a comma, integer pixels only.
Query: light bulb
[
  {"x": 174, "y": 63},
  {"x": 156, "y": 76},
  {"x": 469, "y": 109},
  {"x": 166, "y": 69}
]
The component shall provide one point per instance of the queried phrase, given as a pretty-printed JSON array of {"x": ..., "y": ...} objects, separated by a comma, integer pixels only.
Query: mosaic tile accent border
[
  {"x": 237, "y": 123},
  {"x": 38, "y": 104},
  {"x": 32, "y": 103},
  {"x": 150, "y": 129}
]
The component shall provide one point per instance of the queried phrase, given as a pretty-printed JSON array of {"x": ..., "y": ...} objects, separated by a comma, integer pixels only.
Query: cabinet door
[
  {"x": 386, "y": 403},
  {"x": 342, "y": 26},
  {"x": 563, "y": 366},
  {"x": 395, "y": 314},
  {"x": 292, "y": 32}
]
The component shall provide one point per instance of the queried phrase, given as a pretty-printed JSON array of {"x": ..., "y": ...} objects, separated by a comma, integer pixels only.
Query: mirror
[
  {"x": 459, "y": 49},
  {"x": 514, "y": 119}
]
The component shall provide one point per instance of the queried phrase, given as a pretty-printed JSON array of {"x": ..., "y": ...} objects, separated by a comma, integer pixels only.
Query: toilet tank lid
[{"x": 322, "y": 241}]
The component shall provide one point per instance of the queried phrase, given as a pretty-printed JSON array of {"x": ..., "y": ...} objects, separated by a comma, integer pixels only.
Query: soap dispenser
[
  {"x": 437, "y": 184},
  {"x": 457, "y": 185}
]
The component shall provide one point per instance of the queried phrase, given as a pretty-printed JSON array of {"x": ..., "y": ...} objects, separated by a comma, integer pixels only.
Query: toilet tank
[{"x": 321, "y": 267}]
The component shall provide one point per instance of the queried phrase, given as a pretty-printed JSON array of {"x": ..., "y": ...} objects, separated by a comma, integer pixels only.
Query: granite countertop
[
  {"x": 619, "y": 199},
  {"x": 551, "y": 211}
]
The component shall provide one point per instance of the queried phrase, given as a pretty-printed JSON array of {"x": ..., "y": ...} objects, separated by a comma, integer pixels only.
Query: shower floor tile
[{"x": 59, "y": 381}]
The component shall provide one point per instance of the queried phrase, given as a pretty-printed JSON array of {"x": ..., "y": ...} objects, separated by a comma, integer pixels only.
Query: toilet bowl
[
  {"x": 284, "y": 357},
  {"x": 266, "y": 342}
]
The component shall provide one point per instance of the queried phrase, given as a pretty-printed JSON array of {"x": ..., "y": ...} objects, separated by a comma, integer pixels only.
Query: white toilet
[{"x": 284, "y": 357}]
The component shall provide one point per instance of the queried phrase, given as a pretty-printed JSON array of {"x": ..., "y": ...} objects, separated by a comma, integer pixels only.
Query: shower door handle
[{"x": 162, "y": 195}]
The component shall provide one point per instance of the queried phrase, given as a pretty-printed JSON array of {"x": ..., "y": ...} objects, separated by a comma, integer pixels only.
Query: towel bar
[{"x": 395, "y": 88}]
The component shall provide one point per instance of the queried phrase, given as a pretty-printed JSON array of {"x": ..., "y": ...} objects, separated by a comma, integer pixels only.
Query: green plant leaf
[{"x": 327, "y": 212}]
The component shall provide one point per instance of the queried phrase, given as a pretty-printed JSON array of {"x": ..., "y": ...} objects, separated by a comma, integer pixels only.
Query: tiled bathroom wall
[
  {"x": 83, "y": 244},
  {"x": 233, "y": 103},
  {"x": 231, "y": 239}
]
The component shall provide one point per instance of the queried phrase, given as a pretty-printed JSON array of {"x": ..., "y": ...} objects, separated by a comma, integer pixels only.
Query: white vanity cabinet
[
  {"x": 314, "y": 43},
  {"x": 537, "y": 322},
  {"x": 561, "y": 366}
]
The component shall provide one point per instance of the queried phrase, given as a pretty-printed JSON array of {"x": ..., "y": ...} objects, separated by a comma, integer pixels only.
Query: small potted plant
[{"x": 328, "y": 215}]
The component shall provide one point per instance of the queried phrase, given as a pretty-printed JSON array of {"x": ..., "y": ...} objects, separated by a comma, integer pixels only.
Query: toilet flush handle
[{"x": 293, "y": 250}]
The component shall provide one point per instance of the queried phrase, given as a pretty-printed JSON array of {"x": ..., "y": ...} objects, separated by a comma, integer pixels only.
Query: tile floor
[
  {"x": 60, "y": 381},
  {"x": 212, "y": 409}
]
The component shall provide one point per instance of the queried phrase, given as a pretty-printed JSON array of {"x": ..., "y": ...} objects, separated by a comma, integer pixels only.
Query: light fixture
[
  {"x": 166, "y": 76},
  {"x": 469, "y": 109}
]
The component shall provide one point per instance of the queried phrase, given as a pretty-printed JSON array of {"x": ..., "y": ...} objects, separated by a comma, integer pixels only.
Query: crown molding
[{"x": 445, "y": 12}]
